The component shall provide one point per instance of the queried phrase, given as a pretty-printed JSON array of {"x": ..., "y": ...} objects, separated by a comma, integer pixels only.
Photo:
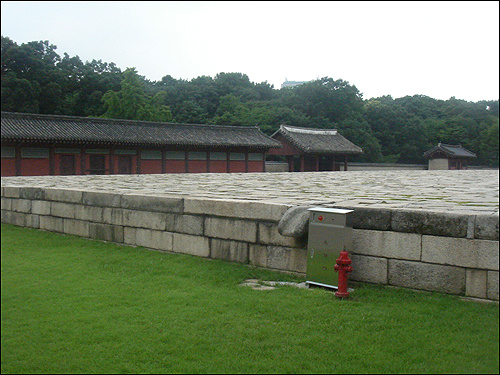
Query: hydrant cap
[{"x": 344, "y": 258}]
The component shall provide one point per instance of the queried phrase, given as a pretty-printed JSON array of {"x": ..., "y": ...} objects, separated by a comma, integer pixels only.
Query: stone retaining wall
[{"x": 443, "y": 252}]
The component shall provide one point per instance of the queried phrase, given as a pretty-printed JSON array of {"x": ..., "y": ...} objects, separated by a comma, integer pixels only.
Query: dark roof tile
[
  {"x": 452, "y": 151},
  {"x": 24, "y": 126},
  {"x": 312, "y": 140}
]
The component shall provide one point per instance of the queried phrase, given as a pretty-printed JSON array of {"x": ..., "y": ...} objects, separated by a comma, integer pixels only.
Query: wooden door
[
  {"x": 67, "y": 165},
  {"x": 124, "y": 164},
  {"x": 97, "y": 164}
]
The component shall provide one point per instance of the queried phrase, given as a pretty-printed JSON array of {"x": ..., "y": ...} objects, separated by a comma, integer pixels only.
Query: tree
[
  {"x": 154, "y": 109},
  {"x": 358, "y": 131},
  {"x": 9, "y": 48},
  {"x": 53, "y": 85},
  {"x": 489, "y": 150},
  {"x": 269, "y": 115},
  {"x": 231, "y": 111},
  {"x": 326, "y": 98},
  {"x": 421, "y": 106},
  {"x": 386, "y": 121},
  {"x": 132, "y": 103},
  {"x": 30, "y": 79},
  {"x": 237, "y": 84},
  {"x": 51, "y": 99},
  {"x": 190, "y": 112},
  {"x": 19, "y": 95}
]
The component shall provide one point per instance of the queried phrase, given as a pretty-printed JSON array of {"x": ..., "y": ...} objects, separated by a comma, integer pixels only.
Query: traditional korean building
[
  {"x": 308, "y": 149},
  {"x": 448, "y": 157},
  {"x": 34, "y": 144}
]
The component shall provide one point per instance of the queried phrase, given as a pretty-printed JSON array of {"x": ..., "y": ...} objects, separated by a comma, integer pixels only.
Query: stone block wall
[{"x": 450, "y": 253}]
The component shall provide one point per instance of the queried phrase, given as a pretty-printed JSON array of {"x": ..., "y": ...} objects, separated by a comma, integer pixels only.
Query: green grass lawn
[{"x": 72, "y": 305}]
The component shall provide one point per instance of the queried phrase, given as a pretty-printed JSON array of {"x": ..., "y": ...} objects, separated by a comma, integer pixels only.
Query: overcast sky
[{"x": 438, "y": 49}]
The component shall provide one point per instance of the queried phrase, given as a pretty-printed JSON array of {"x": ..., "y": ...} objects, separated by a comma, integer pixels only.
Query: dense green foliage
[
  {"x": 75, "y": 306},
  {"x": 35, "y": 79}
]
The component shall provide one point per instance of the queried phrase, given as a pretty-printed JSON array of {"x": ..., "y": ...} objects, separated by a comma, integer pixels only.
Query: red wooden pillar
[
  {"x": 18, "y": 161},
  {"x": 83, "y": 164},
  {"x": 51, "y": 161},
  {"x": 138, "y": 161},
  {"x": 163, "y": 161},
  {"x": 112, "y": 161}
]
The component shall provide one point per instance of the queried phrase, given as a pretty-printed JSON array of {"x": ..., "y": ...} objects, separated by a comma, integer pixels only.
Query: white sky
[{"x": 438, "y": 49}]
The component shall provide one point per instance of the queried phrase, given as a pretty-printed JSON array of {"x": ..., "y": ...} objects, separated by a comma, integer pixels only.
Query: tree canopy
[{"x": 35, "y": 79}]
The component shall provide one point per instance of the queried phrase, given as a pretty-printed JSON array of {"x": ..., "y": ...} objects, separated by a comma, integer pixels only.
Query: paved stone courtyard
[{"x": 468, "y": 191}]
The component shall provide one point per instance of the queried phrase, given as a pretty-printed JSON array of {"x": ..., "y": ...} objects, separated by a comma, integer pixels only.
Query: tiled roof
[
  {"x": 452, "y": 151},
  {"x": 311, "y": 140},
  {"x": 34, "y": 127}
]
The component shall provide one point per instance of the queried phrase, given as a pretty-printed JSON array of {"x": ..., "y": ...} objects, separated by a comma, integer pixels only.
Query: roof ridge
[
  {"x": 448, "y": 145},
  {"x": 298, "y": 129}
]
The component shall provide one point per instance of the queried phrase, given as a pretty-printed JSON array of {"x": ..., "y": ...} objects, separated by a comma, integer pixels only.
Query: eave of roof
[{"x": 52, "y": 128}]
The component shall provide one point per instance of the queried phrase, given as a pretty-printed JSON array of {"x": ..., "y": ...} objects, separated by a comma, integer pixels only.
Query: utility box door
[{"x": 330, "y": 232}]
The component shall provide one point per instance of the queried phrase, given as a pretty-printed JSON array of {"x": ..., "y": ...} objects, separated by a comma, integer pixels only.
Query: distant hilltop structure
[{"x": 288, "y": 83}]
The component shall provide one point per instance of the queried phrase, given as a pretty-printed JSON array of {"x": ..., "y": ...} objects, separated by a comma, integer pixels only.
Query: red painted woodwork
[
  {"x": 197, "y": 166},
  {"x": 80, "y": 161},
  {"x": 175, "y": 166},
  {"x": 237, "y": 166},
  {"x": 218, "y": 166},
  {"x": 8, "y": 167},
  {"x": 35, "y": 167},
  {"x": 150, "y": 166},
  {"x": 255, "y": 166}
]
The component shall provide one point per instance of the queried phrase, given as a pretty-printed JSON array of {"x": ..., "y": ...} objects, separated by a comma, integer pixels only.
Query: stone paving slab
[{"x": 463, "y": 192}]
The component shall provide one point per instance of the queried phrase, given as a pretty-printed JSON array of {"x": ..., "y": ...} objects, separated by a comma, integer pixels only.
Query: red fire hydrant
[{"x": 343, "y": 268}]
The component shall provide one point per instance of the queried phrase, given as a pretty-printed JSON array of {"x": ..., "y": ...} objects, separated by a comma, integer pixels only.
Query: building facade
[
  {"x": 288, "y": 83},
  {"x": 35, "y": 144},
  {"x": 308, "y": 149},
  {"x": 445, "y": 156}
]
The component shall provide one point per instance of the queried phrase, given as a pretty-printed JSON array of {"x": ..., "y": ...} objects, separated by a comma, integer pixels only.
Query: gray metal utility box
[{"x": 330, "y": 231}]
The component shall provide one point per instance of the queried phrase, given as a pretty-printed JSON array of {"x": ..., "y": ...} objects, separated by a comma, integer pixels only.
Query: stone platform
[
  {"x": 437, "y": 191},
  {"x": 430, "y": 230}
]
